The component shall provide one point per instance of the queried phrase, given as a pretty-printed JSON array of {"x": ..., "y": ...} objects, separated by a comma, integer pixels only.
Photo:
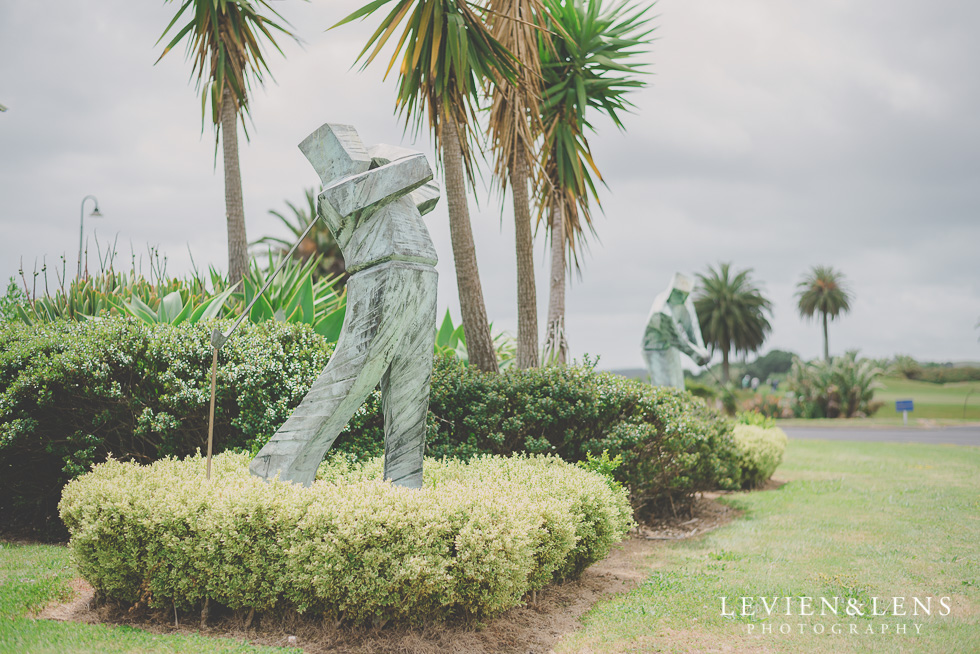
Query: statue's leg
[
  {"x": 373, "y": 326},
  {"x": 405, "y": 387}
]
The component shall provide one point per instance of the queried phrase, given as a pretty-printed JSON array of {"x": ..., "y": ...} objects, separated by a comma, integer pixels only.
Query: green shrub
[
  {"x": 755, "y": 418},
  {"x": 73, "y": 393},
  {"x": 760, "y": 452},
  {"x": 471, "y": 543},
  {"x": 843, "y": 388},
  {"x": 697, "y": 389},
  {"x": 672, "y": 445},
  {"x": 949, "y": 374}
]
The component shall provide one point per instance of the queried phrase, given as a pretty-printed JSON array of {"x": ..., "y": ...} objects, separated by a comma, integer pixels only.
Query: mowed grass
[
  {"x": 33, "y": 575},
  {"x": 931, "y": 400},
  {"x": 854, "y": 521}
]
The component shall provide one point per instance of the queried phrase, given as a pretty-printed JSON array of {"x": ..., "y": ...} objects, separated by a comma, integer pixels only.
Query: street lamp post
[{"x": 81, "y": 227}]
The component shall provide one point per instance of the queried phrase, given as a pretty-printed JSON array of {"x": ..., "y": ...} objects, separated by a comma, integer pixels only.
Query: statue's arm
[
  {"x": 689, "y": 339},
  {"x": 357, "y": 197}
]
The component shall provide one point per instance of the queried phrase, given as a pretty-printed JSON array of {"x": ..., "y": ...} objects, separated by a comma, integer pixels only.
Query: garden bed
[{"x": 351, "y": 549}]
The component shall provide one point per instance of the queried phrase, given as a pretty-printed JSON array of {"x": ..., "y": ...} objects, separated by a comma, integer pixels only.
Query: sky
[{"x": 773, "y": 135}]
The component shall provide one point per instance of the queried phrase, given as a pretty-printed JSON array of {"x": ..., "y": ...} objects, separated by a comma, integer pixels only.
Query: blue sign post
[{"x": 904, "y": 406}]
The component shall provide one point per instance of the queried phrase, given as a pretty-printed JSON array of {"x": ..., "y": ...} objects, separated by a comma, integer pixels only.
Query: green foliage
[
  {"x": 842, "y": 388},
  {"x": 446, "y": 51},
  {"x": 755, "y": 418},
  {"x": 295, "y": 296},
  {"x": 73, "y": 393},
  {"x": 774, "y": 362},
  {"x": 823, "y": 291},
  {"x": 471, "y": 543},
  {"x": 903, "y": 366},
  {"x": 948, "y": 374},
  {"x": 761, "y": 451},
  {"x": 672, "y": 445},
  {"x": 224, "y": 40},
  {"x": 451, "y": 340},
  {"x": 706, "y": 392},
  {"x": 109, "y": 292},
  {"x": 9, "y": 302},
  {"x": 588, "y": 62},
  {"x": 770, "y": 405},
  {"x": 604, "y": 466}
]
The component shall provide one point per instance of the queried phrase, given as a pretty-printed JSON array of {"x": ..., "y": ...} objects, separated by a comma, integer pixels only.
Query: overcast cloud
[{"x": 775, "y": 135}]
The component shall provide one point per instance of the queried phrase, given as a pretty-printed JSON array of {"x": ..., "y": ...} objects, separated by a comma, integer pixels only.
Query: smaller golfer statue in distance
[
  {"x": 673, "y": 328},
  {"x": 372, "y": 201}
]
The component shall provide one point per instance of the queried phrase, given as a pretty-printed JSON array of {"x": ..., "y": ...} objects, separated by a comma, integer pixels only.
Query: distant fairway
[{"x": 932, "y": 401}]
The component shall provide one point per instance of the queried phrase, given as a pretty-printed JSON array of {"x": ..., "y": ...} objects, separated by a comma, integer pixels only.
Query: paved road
[{"x": 940, "y": 435}]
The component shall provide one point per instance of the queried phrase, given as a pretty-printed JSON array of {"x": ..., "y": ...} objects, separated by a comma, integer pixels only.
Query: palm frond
[
  {"x": 224, "y": 44},
  {"x": 588, "y": 64}
]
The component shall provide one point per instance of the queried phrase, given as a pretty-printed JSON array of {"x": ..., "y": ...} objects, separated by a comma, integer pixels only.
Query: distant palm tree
[
  {"x": 586, "y": 66},
  {"x": 224, "y": 47},
  {"x": 446, "y": 53},
  {"x": 732, "y": 312},
  {"x": 318, "y": 243},
  {"x": 823, "y": 290}
]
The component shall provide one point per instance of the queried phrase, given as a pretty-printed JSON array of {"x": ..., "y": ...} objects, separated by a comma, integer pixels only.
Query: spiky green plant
[{"x": 841, "y": 388}]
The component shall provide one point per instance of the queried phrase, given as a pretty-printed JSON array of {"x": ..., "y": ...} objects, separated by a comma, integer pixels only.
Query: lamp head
[{"x": 95, "y": 213}]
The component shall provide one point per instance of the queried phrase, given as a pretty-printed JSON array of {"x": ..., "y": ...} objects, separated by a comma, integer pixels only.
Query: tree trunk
[
  {"x": 527, "y": 294},
  {"x": 724, "y": 367},
  {"x": 234, "y": 205},
  {"x": 826, "y": 341},
  {"x": 556, "y": 346},
  {"x": 479, "y": 345}
]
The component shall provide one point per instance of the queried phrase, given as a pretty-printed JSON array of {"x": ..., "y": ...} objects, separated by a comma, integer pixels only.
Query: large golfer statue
[
  {"x": 373, "y": 201},
  {"x": 673, "y": 328}
]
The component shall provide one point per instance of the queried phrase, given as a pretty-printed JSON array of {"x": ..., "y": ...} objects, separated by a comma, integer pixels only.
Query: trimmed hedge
[
  {"x": 673, "y": 445},
  {"x": 760, "y": 452},
  {"x": 74, "y": 393},
  {"x": 471, "y": 543}
]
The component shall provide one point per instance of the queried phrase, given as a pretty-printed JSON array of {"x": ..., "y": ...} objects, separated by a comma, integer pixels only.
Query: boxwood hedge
[{"x": 351, "y": 548}]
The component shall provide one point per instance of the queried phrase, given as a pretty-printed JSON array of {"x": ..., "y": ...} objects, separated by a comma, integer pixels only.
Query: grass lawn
[
  {"x": 855, "y": 521},
  {"x": 931, "y": 400},
  {"x": 31, "y": 575}
]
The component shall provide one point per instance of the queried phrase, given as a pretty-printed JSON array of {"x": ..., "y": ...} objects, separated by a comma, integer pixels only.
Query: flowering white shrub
[
  {"x": 760, "y": 452},
  {"x": 471, "y": 543}
]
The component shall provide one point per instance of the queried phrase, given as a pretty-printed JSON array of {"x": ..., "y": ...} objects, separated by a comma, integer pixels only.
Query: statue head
[
  {"x": 336, "y": 151},
  {"x": 680, "y": 289}
]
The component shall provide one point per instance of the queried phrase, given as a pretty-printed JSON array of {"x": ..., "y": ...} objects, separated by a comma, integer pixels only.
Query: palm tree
[
  {"x": 823, "y": 290},
  {"x": 584, "y": 66},
  {"x": 732, "y": 312},
  {"x": 448, "y": 52},
  {"x": 318, "y": 243},
  {"x": 225, "y": 48},
  {"x": 513, "y": 129}
]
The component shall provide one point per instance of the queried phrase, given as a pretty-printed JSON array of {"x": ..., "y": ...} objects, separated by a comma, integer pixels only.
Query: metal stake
[{"x": 214, "y": 377}]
